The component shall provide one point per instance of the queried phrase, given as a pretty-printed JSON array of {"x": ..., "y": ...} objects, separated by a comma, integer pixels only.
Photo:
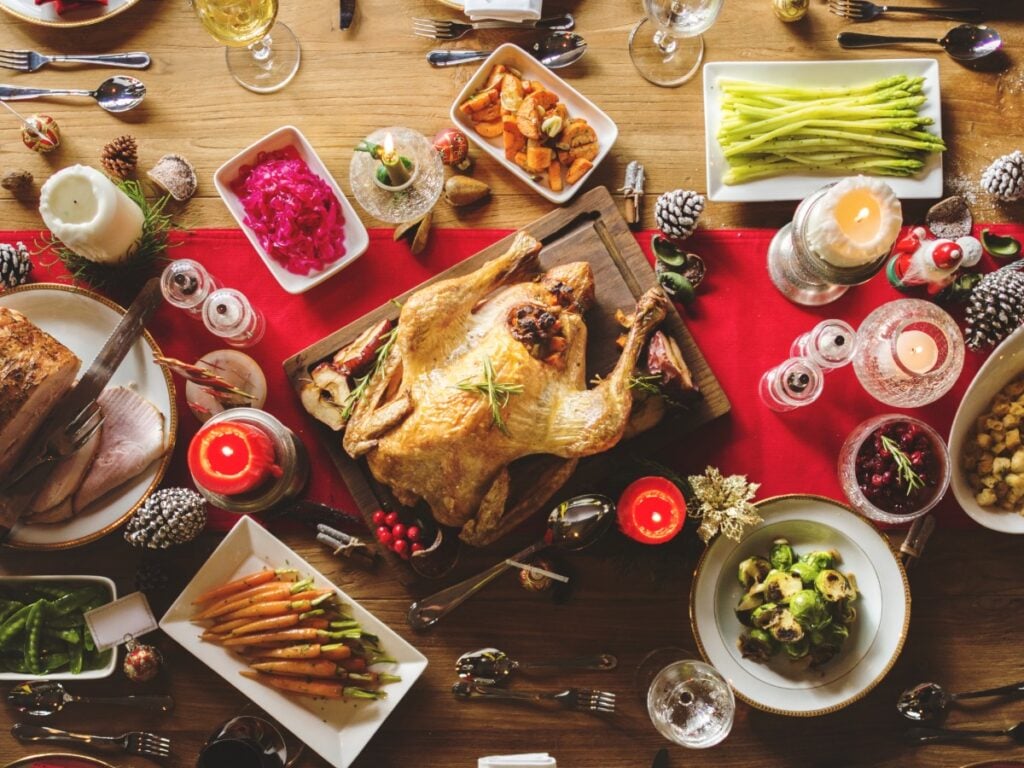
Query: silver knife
[
  {"x": 15, "y": 500},
  {"x": 348, "y": 12}
]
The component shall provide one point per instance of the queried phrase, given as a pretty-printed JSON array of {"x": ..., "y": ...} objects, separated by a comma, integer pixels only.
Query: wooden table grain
[{"x": 967, "y": 617}]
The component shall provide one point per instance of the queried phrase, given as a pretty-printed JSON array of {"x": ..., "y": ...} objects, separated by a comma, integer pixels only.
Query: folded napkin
[
  {"x": 503, "y": 10},
  {"x": 535, "y": 760}
]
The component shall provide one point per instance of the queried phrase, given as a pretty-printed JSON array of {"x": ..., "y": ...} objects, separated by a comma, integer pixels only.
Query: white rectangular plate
[
  {"x": 337, "y": 730},
  {"x": 578, "y": 105},
  {"x": 927, "y": 183},
  {"x": 357, "y": 240}
]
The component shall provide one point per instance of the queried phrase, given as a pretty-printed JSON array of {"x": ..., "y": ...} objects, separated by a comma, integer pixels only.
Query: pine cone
[
  {"x": 1005, "y": 177},
  {"x": 677, "y": 212},
  {"x": 170, "y": 516},
  {"x": 16, "y": 181},
  {"x": 120, "y": 156},
  {"x": 15, "y": 265},
  {"x": 996, "y": 307}
]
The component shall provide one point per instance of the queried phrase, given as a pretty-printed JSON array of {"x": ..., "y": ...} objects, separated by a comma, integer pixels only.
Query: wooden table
[{"x": 967, "y": 617}]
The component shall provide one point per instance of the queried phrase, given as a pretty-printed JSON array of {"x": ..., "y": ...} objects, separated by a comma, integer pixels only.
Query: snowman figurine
[{"x": 918, "y": 259}]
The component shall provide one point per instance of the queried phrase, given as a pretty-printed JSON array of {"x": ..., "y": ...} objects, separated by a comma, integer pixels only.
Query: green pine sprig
[
  {"x": 496, "y": 392},
  {"x": 363, "y": 382},
  {"x": 904, "y": 468}
]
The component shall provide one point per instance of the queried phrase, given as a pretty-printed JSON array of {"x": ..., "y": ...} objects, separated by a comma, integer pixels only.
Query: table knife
[
  {"x": 660, "y": 759},
  {"x": 16, "y": 499},
  {"x": 348, "y": 11}
]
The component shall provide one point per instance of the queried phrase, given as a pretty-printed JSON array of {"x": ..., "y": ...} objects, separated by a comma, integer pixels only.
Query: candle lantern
[
  {"x": 396, "y": 174},
  {"x": 910, "y": 353},
  {"x": 840, "y": 236},
  {"x": 651, "y": 510}
]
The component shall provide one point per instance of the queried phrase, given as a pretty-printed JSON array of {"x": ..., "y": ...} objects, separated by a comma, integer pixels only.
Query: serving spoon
[
  {"x": 115, "y": 94},
  {"x": 928, "y": 701},
  {"x": 491, "y": 666},
  {"x": 572, "y": 525},
  {"x": 967, "y": 42},
  {"x": 42, "y": 698},
  {"x": 559, "y": 49}
]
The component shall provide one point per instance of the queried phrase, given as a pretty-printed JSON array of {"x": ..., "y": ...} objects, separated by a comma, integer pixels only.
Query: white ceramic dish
[
  {"x": 73, "y": 581},
  {"x": 357, "y": 239},
  {"x": 927, "y": 183},
  {"x": 579, "y": 106},
  {"x": 876, "y": 638},
  {"x": 46, "y": 16},
  {"x": 337, "y": 730},
  {"x": 83, "y": 321},
  {"x": 1005, "y": 363}
]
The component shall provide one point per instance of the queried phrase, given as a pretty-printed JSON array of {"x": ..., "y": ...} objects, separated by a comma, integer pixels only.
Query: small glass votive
[
  {"x": 795, "y": 383},
  {"x": 831, "y": 344},
  {"x": 185, "y": 284},
  {"x": 228, "y": 314},
  {"x": 402, "y": 192},
  {"x": 910, "y": 353},
  {"x": 236, "y": 369},
  {"x": 894, "y": 468}
]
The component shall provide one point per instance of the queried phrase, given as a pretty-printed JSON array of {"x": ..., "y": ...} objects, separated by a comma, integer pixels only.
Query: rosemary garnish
[
  {"x": 362, "y": 382},
  {"x": 651, "y": 384},
  {"x": 904, "y": 468},
  {"x": 497, "y": 394}
]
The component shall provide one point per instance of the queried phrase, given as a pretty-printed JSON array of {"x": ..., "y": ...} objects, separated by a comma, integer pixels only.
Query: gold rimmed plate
[
  {"x": 46, "y": 14},
  {"x": 83, "y": 321},
  {"x": 792, "y": 688},
  {"x": 57, "y": 760}
]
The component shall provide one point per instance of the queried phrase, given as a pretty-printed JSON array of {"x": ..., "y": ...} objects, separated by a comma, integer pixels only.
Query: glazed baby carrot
[
  {"x": 276, "y": 608},
  {"x": 336, "y": 651},
  {"x": 300, "y": 668},
  {"x": 227, "y": 626},
  {"x": 275, "y": 592},
  {"x": 306, "y": 651},
  {"x": 281, "y": 622},
  {"x": 320, "y": 688},
  {"x": 251, "y": 580},
  {"x": 288, "y": 636}
]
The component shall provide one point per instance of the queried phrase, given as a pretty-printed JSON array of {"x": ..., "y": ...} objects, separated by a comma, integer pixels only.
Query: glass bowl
[{"x": 937, "y": 472}]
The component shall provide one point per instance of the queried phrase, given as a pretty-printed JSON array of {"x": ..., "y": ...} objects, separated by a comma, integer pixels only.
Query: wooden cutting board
[{"x": 590, "y": 229}]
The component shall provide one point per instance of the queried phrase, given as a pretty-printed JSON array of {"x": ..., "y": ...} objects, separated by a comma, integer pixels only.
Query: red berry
[
  {"x": 383, "y": 535},
  {"x": 391, "y": 519},
  {"x": 379, "y": 517},
  {"x": 398, "y": 531},
  {"x": 401, "y": 548},
  {"x": 413, "y": 533},
  {"x": 416, "y": 547}
]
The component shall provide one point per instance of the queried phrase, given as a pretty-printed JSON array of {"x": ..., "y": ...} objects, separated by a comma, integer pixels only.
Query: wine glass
[
  {"x": 262, "y": 56},
  {"x": 666, "y": 45}
]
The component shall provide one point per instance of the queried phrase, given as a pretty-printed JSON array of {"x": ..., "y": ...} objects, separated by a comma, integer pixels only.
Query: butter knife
[
  {"x": 15, "y": 500},
  {"x": 348, "y": 12}
]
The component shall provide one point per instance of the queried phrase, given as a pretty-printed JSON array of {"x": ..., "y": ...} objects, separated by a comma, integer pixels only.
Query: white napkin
[
  {"x": 504, "y": 10},
  {"x": 535, "y": 760}
]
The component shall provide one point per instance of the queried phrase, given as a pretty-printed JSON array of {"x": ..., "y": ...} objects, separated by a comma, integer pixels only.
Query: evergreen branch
[
  {"x": 497, "y": 393},
  {"x": 904, "y": 469}
]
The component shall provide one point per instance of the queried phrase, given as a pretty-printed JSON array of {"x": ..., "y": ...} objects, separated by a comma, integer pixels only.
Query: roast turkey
[{"x": 426, "y": 425}]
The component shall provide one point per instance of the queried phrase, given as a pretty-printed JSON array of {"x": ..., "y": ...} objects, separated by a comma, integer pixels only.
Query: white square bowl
[
  {"x": 357, "y": 239},
  {"x": 73, "y": 582},
  {"x": 578, "y": 105},
  {"x": 337, "y": 730}
]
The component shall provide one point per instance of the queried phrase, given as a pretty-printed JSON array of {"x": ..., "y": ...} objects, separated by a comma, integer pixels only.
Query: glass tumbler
[
  {"x": 666, "y": 45},
  {"x": 688, "y": 701}
]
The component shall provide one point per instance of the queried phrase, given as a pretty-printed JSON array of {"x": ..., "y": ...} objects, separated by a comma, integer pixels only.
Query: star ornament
[{"x": 723, "y": 504}]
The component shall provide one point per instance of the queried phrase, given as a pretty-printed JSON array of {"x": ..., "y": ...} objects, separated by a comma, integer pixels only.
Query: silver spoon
[
  {"x": 967, "y": 42},
  {"x": 490, "y": 666},
  {"x": 43, "y": 698},
  {"x": 115, "y": 94},
  {"x": 926, "y": 735},
  {"x": 572, "y": 525},
  {"x": 559, "y": 49},
  {"x": 928, "y": 701}
]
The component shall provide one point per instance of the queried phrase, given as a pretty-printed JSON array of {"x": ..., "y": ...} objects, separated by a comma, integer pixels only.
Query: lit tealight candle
[
  {"x": 855, "y": 222},
  {"x": 230, "y": 458},
  {"x": 651, "y": 510},
  {"x": 917, "y": 351},
  {"x": 398, "y": 174}
]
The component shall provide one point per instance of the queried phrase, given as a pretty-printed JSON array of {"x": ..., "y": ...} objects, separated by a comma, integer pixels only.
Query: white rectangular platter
[{"x": 926, "y": 184}]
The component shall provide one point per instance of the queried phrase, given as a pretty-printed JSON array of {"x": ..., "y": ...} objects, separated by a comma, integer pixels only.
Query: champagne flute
[
  {"x": 262, "y": 56},
  {"x": 666, "y": 45}
]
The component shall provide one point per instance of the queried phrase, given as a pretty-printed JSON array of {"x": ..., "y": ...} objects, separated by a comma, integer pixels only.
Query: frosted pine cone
[
  {"x": 169, "y": 516},
  {"x": 676, "y": 212},
  {"x": 1005, "y": 177},
  {"x": 15, "y": 265},
  {"x": 996, "y": 307}
]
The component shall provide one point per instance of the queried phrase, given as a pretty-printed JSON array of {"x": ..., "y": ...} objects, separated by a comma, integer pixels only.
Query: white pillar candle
[
  {"x": 855, "y": 222},
  {"x": 88, "y": 213},
  {"x": 917, "y": 351}
]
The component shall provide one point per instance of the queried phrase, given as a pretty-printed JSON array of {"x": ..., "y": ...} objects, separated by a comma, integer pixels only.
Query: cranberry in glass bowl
[{"x": 894, "y": 468}]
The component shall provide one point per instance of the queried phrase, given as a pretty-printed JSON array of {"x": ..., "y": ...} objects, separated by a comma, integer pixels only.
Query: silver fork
[
  {"x": 863, "y": 10},
  {"x": 444, "y": 29},
  {"x": 134, "y": 742},
  {"x": 77, "y": 434},
  {"x": 30, "y": 61},
  {"x": 579, "y": 699}
]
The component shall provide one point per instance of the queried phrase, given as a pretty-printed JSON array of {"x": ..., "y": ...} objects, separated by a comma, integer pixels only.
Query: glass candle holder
[
  {"x": 830, "y": 344},
  {"x": 237, "y": 369},
  {"x": 910, "y": 353},
  {"x": 185, "y": 284},
  {"x": 397, "y": 199},
  {"x": 228, "y": 314},
  {"x": 793, "y": 384}
]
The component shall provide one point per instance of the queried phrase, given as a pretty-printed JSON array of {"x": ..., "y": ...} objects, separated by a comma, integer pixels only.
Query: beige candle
[
  {"x": 855, "y": 222},
  {"x": 917, "y": 351}
]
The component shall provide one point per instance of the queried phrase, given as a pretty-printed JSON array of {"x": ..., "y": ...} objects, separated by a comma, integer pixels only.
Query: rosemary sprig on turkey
[
  {"x": 496, "y": 392},
  {"x": 362, "y": 382}
]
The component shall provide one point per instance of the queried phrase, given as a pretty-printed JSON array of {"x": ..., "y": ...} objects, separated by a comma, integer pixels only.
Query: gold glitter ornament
[
  {"x": 790, "y": 10},
  {"x": 41, "y": 133}
]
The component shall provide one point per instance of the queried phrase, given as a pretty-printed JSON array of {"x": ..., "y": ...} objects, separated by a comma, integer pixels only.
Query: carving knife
[{"x": 15, "y": 500}]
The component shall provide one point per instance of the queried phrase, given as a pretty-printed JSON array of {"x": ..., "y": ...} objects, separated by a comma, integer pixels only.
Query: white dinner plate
[
  {"x": 82, "y": 321},
  {"x": 45, "y": 15},
  {"x": 336, "y": 730},
  {"x": 792, "y": 688},
  {"x": 927, "y": 183},
  {"x": 1003, "y": 365}
]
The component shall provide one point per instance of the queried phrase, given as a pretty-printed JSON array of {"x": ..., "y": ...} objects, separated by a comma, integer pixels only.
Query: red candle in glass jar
[
  {"x": 231, "y": 457},
  {"x": 651, "y": 510}
]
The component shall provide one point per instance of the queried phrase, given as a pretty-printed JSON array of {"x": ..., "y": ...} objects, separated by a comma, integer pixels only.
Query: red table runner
[{"x": 741, "y": 322}]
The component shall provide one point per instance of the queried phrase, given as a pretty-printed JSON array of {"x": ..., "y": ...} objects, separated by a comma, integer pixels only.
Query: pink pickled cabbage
[{"x": 294, "y": 213}]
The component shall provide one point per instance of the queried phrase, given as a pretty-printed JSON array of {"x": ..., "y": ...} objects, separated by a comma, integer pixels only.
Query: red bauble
[
  {"x": 453, "y": 146},
  {"x": 41, "y": 133},
  {"x": 142, "y": 662},
  {"x": 651, "y": 510}
]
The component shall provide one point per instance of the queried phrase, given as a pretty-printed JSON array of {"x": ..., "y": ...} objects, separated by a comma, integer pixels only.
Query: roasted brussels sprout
[
  {"x": 781, "y": 555},
  {"x": 765, "y": 615},
  {"x": 757, "y": 645},
  {"x": 835, "y": 634},
  {"x": 805, "y": 572},
  {"x": 843, "y": 612},
  {"x": 751, "y": 599},
  {"x": 752, "y": 571},
  {"x": 780, "y": 586},
  {"x": 797, "y": 650},
  {"x": 785, "y": 628},
  {"x": 808, "y": 607},
  {"x": 822, "y": 654},
  {"x": 832, "y": 585},
  {"x": 821, "y": 560}
]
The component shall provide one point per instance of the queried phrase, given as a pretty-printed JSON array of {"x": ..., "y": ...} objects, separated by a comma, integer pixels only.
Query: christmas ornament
[
  {"x": 1000, "y": 246},
  {"x": 790, "y": 10},
  {"x": 1005, "y": 177},
  {"x": 175, "y": 175},
  {"x": 453, "y": 146},
  {"x": 723, "y": 503},
  {"x": 950, "y": 218},
  {"x": 16, "y": 181},
  {"x": 996, "y": 307},
  {"x": 633, "y": 190},
  {"x": 676, "y": 212},
  {"x": 15, "y": 265},
  {"x": 533, "y": 578},
  {"x": 168, "y": 517},
  {"x": 41, "y": 133},
  {"x": 142, "y": 662},
  {"x": 120, "y": 157},
  {"x": 920, "y": 260}
]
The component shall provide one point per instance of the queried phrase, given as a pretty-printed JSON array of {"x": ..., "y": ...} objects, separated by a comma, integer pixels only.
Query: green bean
[
  {"x": 77, "y": 658},
  {"x": 8, "y": 608},
  {"x": 54, "y": 661},
  {"x": 87, "y": 639},
  {"x": 13, "y": 626},
  {"x": 69, "y": 636},
  {"x": 75, "y": 600},
  {"x": 33, "y": 635}
]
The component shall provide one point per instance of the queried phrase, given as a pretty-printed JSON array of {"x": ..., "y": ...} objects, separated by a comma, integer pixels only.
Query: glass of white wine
[
  {"x": 666, "y": 45},
  {"x": 262, "y": 55}
]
